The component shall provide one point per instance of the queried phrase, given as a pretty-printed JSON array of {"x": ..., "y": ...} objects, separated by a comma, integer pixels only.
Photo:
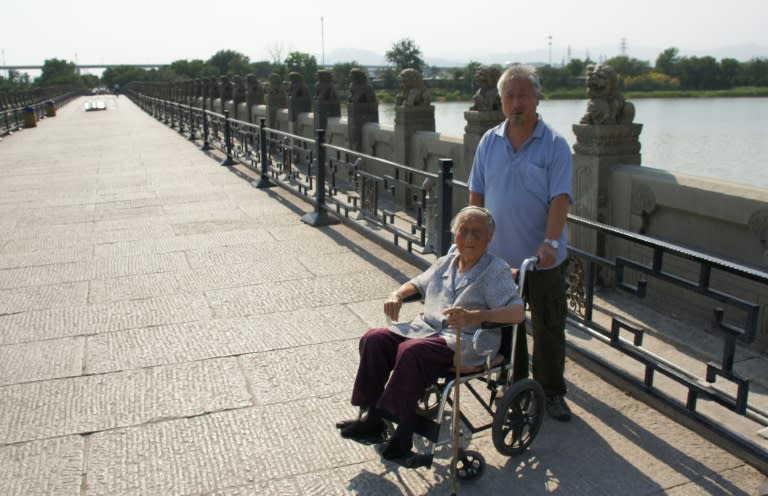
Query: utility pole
[
  {"x": 322, "y": 41},
  {"x": 550, "y": 50}
]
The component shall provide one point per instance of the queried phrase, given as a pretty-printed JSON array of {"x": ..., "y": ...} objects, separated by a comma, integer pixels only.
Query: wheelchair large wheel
[
  {"x": 429, "y": 402},
  {"x": 518, "y": 417}
]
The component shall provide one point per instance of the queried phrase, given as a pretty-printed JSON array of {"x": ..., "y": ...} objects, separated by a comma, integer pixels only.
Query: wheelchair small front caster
[{"x": 470, "y": 465}]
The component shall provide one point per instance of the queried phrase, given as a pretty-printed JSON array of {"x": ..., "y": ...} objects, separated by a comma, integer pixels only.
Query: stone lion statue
[
  {"x": 487, "y": 96},
  {"x": 606, "y": 105},
  {"x": 413, "y": 91},
  {"x": 296, "y": 86},
  {"x": 360, "y": 90},
  {"x": 324, "y": 90},
  {"x": 254, "y": 91},
  {"x": 275, "y": 85}
]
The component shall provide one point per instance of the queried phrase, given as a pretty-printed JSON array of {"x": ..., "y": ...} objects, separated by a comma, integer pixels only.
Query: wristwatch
[{"x": 553, "y": 243}]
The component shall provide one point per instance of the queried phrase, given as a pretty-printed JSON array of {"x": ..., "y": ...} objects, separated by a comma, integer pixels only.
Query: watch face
[{"x": 553, "y": 243}]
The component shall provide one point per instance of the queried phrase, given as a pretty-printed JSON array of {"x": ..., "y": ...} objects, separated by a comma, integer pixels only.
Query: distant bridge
[{"x": 81, "y": 66}]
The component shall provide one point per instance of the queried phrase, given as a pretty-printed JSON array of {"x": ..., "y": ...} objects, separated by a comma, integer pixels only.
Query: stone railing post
[
  {"x": 326, "y": 100},
  {"x": 605, "y": 138},
  {"x": 363, "y": 107}
]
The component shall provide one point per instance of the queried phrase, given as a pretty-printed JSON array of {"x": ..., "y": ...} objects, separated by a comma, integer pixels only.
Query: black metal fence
[
  {"x": 15, "y": 108},
  {"x": 411, "y": 209}
]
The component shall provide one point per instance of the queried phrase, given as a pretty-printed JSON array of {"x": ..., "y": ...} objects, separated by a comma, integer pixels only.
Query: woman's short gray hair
[
  {"x": 522, "y": 71},
  {"x": 470, "y": 210}
]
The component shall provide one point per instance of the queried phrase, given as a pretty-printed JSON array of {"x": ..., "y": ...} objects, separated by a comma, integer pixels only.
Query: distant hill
[{"x": 559, "y": 55}]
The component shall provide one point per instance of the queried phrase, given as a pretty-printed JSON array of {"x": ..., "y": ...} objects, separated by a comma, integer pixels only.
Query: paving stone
[
  {"x": 94, "y": 319},
  {"x": 52, "y": 466},
  {"x": 229, "y": 449},
  {"x": 282, "y": 376},
  {"x": 133, "y": 287},
  {"x": 95, "y": 403},
  {"x": 41, "y": 360},
  {"x": 182, "y": 243},
  {"x": 291, "y": 295},
  {"x": 39, "y": 297},
  {"x": 244, "y": 253},
  {"x": 98, "y": 268},
  {"x": 219, "y": 338},
  {"x": 274, "y": 269},
  {"x": 44, "y": 257}
]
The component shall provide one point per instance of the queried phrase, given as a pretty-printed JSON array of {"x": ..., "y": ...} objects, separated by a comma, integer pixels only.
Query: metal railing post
[
  {"x": 191, "y": 124},
  {"x": 227, "y": 141},
  {"x": 445, "y": 183},
  {"x": 205, "y": 147},
  {"x": 264, "y": 181},
  {"x": 320, "y": 216}
]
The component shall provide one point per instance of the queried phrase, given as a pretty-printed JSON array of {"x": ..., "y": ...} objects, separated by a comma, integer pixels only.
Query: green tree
[
  {"x": 341, "y": 73},
  {"x": 651, "y": 81},
  {"x": 230, "y": 62},
  {"x": 262, "y": 69},
  {"x": 58, "y": 72},
  {"x": 404, "y": 54},
  {"x": 303, "y": 63},
  {"x": 667, "y": 61},
  {"x": 191, "y": 69},
  {"x": 122, "y": 75},
  {"x": 576, "y": 67},
  {"x": 700, "y": 73},
  {"x": 628, "y": 66},
  {"x": 15, "y": 81},
  {"x": 386, "y": 79},
  {"x": 756, "y": 72},
  {"x": 467, "y": 76},
  {"x": 90, "y": 80},
  {"x": 552, "y": 78},
  {"x": 732, "y": 72}
]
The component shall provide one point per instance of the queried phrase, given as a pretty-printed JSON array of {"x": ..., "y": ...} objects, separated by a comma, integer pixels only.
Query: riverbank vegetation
[{"x": 670, "y": 75}]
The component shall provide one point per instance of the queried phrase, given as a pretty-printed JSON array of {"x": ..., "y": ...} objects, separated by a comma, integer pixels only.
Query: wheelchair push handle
[{"x": 529, "y": 264}]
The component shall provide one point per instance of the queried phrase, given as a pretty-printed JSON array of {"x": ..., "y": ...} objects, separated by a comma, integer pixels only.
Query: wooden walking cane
[{"x": 456, "y": 433}]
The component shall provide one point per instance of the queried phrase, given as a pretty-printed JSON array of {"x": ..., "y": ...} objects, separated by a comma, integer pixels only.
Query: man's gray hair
[
  {"x": 474, "y": 210},
  {"x": 521, "y": 71}
]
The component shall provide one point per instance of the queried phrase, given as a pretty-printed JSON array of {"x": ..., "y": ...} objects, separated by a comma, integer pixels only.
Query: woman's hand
[
  {"x": 461, "y": 318},
  {"x": 392, "y": 306}
]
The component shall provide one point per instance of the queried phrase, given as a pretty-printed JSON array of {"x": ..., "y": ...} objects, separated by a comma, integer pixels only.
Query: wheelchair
[{"x": 516, "y": 408}]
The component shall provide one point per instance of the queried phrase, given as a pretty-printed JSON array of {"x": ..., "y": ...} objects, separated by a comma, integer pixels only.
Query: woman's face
[{"x": 472, "y": 236}]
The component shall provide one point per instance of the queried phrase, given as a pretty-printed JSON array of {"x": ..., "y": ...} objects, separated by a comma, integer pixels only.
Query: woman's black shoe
[
  {"x": 364, "y": 431},
  {"x": 394, "y": 450}
]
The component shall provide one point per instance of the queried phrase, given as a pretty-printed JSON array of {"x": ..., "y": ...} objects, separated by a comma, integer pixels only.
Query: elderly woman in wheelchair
[{"x": 461, "y": 290}]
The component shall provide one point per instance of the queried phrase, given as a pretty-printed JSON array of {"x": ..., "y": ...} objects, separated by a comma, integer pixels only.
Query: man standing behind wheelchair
[
  {"x": 522, "y": 173},
  {"x": 461, "y": 290}
]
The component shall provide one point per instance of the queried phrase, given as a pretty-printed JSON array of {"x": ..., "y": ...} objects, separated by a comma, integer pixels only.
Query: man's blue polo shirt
[{"x": 518, "y": 185}]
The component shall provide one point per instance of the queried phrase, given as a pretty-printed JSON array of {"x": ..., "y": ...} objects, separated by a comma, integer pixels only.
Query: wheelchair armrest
[
  {"x": 413, "y": 297},
  {"x": 476, "y": 340}
]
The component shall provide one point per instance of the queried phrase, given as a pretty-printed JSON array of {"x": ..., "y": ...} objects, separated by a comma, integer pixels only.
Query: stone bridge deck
[{"x": 165, "y": 328}]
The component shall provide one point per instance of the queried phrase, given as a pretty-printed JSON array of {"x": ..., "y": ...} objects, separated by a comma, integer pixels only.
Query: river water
[{"x": 719, "y": 138}]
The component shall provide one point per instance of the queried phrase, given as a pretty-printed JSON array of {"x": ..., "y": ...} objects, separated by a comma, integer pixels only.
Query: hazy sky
[{"x": 161, "y": 31}]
